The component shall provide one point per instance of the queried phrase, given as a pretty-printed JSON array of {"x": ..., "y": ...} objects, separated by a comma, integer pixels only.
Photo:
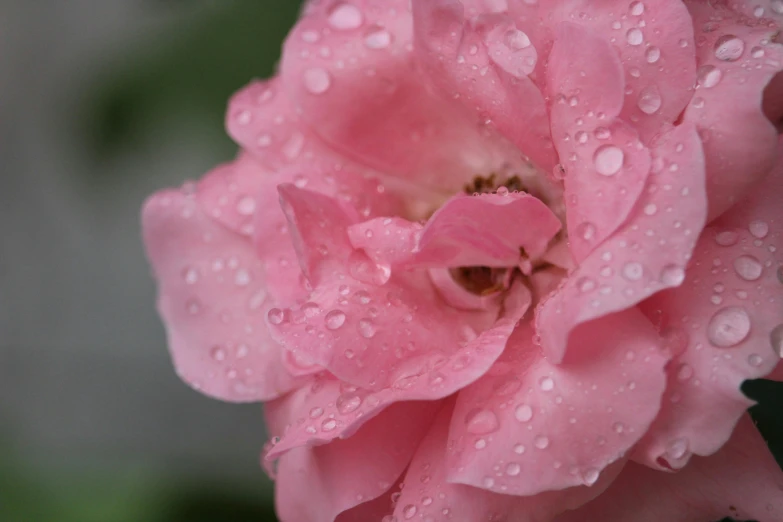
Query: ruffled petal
[
  {"x": 606, "y": 166},
  {"x": 465, "y": 232},
  {"x": 742, "y": 481},
  {"x": 530, "y": 426},
  {"x": 397, "y": 373},
  {"x": 348, "y": 69},
  {"x": 430, "y": 495},
  {"x": 316, "y": 484},
  {"x": 485, "y": 65},
  {"x": 213, "y": 300},
  {"x": 646, "y": 255},
  {"x": 728, "y": 318},
  {"x": 736, "y": 59}
]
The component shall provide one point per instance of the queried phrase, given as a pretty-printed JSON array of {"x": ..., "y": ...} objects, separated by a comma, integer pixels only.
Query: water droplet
[
  {"x": 677, "y": 449},
  {"x": 242, "y": 277},
  {"x": 726, "y": 238},
  {"x": 345, "y": 17},
  {"x": 502, "y": 191},
  {"x": 755, "y": 360},
  {"x": 190, "y": 275},
  {"x": 684, "y": 372},
  {"x": 634, "y": 36},
  {"x": 348, "y": 403},
  {"x": 276, "y": 316},
  {"x": 586, "y": 231},
  {"x": 523, "y": 413},
  {"x": 633, "y": 271},
  {"x": 776, "y": 340},
  {"x": 513, "y": 469},
  {"x": 653, "y": 54},
  {"x": 590, "y": 476},
  {"x": 519, "y": 449},
  {"x": 317, "y": 80},
  {"x": 748, "y": 267},
  {"x": 546, "y": 383},
  {"x": 585, "y": 284},
  {"x": 541, "y": 442},
  {"x": 759, "y": 229},
  {"x": 328, "y": 425},
  {"x": 608, "y": 159},
  {"x": 729, "y": 48},
  {"x": 409, "y": 511},
  {"x": 480, "y": 444},
  {"x": 618, "y": 427},
  {"x": 334, "y": 319},
  {"x": 672, "y": 275},
  {"x": 636, "y": 8},
  {"x": 193, "y": 307},
  {"x": 649, "y": 101},
  {"x": 377, "y": 38},
  {"x": 709, "y": 76},
  {"x": 481, "y": 421},
  {"x": 218, "y": 354},
  {"x": 728, "y": 327},
  {"x": 246, "y": 206},
  {"x": 366, "y": 328}
]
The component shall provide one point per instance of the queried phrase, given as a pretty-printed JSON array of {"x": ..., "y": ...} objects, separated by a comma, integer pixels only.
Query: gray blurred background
[{"x": 101, "y": 103}]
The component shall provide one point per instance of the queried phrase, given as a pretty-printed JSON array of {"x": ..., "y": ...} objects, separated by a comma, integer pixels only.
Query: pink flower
[{"x": 516, "y": 255}]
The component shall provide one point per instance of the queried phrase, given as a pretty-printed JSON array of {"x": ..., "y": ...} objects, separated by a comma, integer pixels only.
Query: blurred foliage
[{"x": 191, "y": 69}]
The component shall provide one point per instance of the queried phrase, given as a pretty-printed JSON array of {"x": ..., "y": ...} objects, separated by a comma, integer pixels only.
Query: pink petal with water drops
[
  {"x": 484, "y": 63},
  {"x": 349, "y": 70},
  {"x": 467, "y": 231},
  {"x": 736, "y": 59},
  {"x": 653, "y": 40},
  {"x": 530, "y": 426},
  {"x": 430, "y": 495},
  {"x": 316, "y": 484},
  {"x": 728, "y": 317},
  {"x": 646, "y": 255},
  {"x": 430, "y": 371},
  {"x": 771, "y": 10},
  {"x": 213, "y": 300},
  {"x": 741, "y": 481},
  {"x": 606, "y": 166}
]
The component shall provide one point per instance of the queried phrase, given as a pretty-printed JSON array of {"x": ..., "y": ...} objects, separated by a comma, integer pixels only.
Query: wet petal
[{"x": 530, "y": 426}]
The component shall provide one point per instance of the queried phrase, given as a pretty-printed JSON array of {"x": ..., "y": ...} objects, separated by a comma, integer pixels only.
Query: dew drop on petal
[
  {"x": 513, "y": 469},
  {"x": 634, "y": 36},
  {"x": 649, "y": 101},
  {"x": 729, "y": 48},
  {"x": 636, "y": 8},
  {"x": 334, "y": 319},
  {"x": 728, "y": 327},
  {"x": 546, "y": 384},
  {"x": 653, "y": 54},
  {"x": 608, "y": 160},
  {"x": 377, "y": 38},
  {"x": 481, "y": 421},
  {"x": 709, "y": 76},
  {"x": 345, "y": 16},
  {"x": 541, "y": 442},
  {"x": 276, "y": 316},
  {"x": 759, "y": 229},
  {"x": 776, "y": 339},
  {"x": 317, "y": 80},
  {"x": 672, "y": 275},
  {"x": 366, "y": 328},
  {"x": 523, "y": 413},
  {"x": 748, "y": 267},
  {"x": 590, "y": 476}
]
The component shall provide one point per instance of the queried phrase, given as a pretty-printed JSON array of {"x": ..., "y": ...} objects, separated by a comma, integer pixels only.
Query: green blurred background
[{"x": 101, "y": 103}]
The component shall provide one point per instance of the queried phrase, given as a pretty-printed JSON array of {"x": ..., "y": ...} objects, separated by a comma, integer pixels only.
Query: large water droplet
[
  {"x": 366, "y": 328},
  {"x": 748, "y": 267},
  {"x": 546, "y": 384},
  {"x": 776, "y": 340},
  {"x": 348, "y": 403},
  {"x": 727, "y": 238},
  {"x": 513, "y": 469},
  {"x": 608, "y": 159},
  {"x": 634, "y": 36},
  {"x": 541, "y": 442},
  {"x": 728, "y": 327},
  {"x": 345, "y": 16},
  {"x": 709, "y": 76},
  {"x": 649, "y": 101},
  {"x": 653, "y": 54},
  {"x": 377, "y": 38},
  {"x": 759, "y": 229},
  {"x": 334, "y": 319},
  {"x": 317, "y": 80},
  {"x": 729, "y": 48},
  {"x": 481, "y": 421},
  {"x": 636, "y": 8},
  {"x": 276, "y": 316},
  {"x": 409, "y": 511},
  {"x": 590, "y": 476},
  {"x": 633, "y": 271},
  {"x": 672, "y": 275},
  {"x": 523, "y": 413}
]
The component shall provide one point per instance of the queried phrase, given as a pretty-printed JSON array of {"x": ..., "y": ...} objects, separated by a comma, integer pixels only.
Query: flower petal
[
  {"x": 430, "y": 494},
  {"x": 646, "y": 255},
  {"x": 212, "y": 298},
  {"x": 741, "y": 481},
  {"x": 606, "y": 166},
  {"x": 530, "y": 426},
  {"x": 316, "y": 484},
  {"x": 397, "y": 374},
  {"x": 348, "y": 69},
  {"x": 728, "y": 318},
  {"x": 487, "y": 75},
  {"x": 736, "y": 61}
]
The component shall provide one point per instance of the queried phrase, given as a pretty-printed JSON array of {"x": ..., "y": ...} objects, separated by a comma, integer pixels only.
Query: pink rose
[{"x": 517, "y": 255}]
